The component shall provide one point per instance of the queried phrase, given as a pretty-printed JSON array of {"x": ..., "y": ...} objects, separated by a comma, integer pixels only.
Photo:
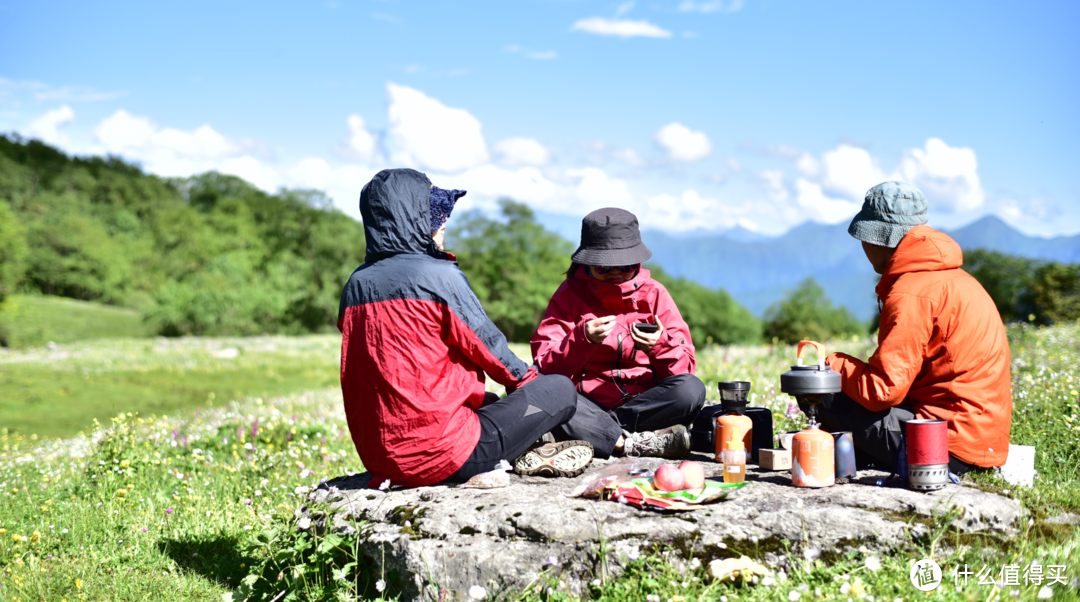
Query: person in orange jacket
[{"x": 942, "y": 350}]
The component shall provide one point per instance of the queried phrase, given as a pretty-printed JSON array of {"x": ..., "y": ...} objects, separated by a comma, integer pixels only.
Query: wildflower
[
  {"x": 36, "y": 536},
  {"x": 168, "y": 511},
  {"x": 144, "y": 529},
  {"x": 845, "y": 589},
  {"x": 477, "y": 593},
  {"x": 380, "y": 585},
  {"x": 258, "y": 492},
  {"x": 873, "y": 563},
  {"x": 1045, "y": 592},
  {"x": 303, "y": 523},
  {"x": 596, "y": 583},
  {"x": 793, "y": 595},
  {"x": 768, "y": 581},
  {"x": 63, "y": 530},
  {"x": 78, "y": 584},
  {"x": 121, "y": 492},
  {"x": 857, "y": 588},
  {"x": 384, "y": 485},
  {"x": 811, "y": 553},
  {"x": 125, "y": 464},
  {"x": 695, "y": 563},
  {"x": 552, "y": 560}
]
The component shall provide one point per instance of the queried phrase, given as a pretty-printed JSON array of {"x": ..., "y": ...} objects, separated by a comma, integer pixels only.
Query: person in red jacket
[
  {"x": 942, "y": 350},
  {"x": 636, "y": 387},
  {"x": 415, "y": 347}
]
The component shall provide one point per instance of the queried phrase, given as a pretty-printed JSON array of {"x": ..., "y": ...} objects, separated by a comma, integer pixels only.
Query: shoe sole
[{"x": 566, "y": 459}]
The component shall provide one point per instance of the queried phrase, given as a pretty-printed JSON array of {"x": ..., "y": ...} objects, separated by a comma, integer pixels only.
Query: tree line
[{"x": 213, "y": 255}]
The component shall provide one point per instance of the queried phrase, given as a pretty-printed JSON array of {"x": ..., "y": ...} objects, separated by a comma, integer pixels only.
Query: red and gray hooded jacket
[
  {"x": 415, "y": 343},
  {"x": 614, "y": 371}
]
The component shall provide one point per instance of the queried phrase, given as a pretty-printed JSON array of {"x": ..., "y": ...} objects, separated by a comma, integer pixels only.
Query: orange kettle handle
[{"x": 820, "y": 352}]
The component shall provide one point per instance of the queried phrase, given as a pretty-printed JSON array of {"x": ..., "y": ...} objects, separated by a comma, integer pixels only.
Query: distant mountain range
[{"x": 758, "y": 270}]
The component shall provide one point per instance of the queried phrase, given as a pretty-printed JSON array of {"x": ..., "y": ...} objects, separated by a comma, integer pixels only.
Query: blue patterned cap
[
  {"x": 889, "y": 210},
  {"x": 442, "y": 204}
]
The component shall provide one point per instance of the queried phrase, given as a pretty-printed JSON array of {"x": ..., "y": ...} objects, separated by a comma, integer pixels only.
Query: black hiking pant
[
  {"x": 510, "y": 425},
  {"x": 876, "y": 434},
  {"x": 674, "y": 400}
]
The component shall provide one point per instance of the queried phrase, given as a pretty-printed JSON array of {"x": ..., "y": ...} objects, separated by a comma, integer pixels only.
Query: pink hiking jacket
[{"x": 612, "y": 372}]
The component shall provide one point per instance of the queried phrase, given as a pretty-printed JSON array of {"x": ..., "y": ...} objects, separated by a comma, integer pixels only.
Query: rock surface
[{"x": 441, "y": 540}]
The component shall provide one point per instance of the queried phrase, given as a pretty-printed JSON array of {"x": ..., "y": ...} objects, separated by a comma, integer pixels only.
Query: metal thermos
[
  {"x": 844, "y": 455},
  {"x": 734, "y": 424}
]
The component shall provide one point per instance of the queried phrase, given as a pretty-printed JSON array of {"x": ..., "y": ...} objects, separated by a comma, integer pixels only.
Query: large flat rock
[{"x": 442, "y": 540}]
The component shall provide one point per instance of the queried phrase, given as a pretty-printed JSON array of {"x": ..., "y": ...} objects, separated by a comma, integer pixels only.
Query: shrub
[{"x": 806, "y": 313}]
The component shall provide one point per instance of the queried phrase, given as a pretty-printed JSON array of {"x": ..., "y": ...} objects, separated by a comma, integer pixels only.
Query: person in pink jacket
[{"x": 617, "y": 334}]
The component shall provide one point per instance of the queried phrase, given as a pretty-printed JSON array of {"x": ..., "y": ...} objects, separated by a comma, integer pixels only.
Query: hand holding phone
[{"x": 646, "y": 327}]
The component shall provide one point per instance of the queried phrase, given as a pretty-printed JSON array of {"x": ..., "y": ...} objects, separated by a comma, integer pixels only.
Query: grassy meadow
[{"x": 187, "y": 488}]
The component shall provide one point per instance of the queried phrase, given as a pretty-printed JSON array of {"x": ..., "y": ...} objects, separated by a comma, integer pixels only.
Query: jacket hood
[
  {"x": 923, "y": 249},
  {"x": 396, "y": 209}
]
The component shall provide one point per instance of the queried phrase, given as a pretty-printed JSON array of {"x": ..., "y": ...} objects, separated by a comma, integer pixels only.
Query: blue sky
[{"x": 696, "y": 115}]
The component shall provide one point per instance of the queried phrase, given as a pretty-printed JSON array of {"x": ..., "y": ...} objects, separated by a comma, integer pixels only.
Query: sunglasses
[{"x": 622, "y": 268}]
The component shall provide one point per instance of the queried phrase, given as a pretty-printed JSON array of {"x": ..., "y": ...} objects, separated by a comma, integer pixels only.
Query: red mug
[{"x": 927, "y": 442}]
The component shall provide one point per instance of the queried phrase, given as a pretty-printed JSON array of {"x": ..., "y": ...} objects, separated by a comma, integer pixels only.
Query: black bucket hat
[{"x": 610, "y": 237}]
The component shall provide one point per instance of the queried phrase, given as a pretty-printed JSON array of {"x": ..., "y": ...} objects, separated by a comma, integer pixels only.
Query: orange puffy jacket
[{"x": 941, "y": 348}]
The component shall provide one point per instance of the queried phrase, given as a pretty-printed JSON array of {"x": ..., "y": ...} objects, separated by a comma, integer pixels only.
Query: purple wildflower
[
  {"x": 168, "y": 511},
  {"x": 255, "y": 429}
]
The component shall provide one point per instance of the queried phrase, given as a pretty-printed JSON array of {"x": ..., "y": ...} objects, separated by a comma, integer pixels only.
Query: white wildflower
[
  {"x": 385, "y": 485},
  {"x": 303, "y": 523},
  {"x": 845, "y": 589},
  {"x": 695, "y": 563},
  {"x": 768, "y": 581},
  {"x": 301, "y": 490},
  {"x": 873, "y": 563},
  {"x": 793, "y": 595},
  {"x": 596, "y": 583},
  {"x": 380, "y": 585},
  {"x": 811, "y": 553},
  {"x": 477, "y": 593},
  {"x": 1045, "y": 592}
]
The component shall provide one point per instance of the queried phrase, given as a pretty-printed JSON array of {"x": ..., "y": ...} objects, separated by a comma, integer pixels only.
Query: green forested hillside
[{"x": 209, "y": 254}]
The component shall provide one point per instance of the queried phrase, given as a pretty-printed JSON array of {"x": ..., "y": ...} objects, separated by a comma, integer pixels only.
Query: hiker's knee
[{"x": 559, "y": 395}]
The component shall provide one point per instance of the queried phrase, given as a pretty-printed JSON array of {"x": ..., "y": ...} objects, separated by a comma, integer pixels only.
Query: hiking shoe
[
  {"x": 566, "y": 459},
  {"x": 673, "y": 442}
]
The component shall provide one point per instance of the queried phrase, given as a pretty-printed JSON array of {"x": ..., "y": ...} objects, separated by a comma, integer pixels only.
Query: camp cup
[
  {"x": 844, "y": 454},
  {"x": 927, "y": 453}
]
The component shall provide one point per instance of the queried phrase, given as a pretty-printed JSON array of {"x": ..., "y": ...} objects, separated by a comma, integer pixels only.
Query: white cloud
[
  {"x": 623, "y": 28},
  {"x": 848, "y": 170},
  {"x": 820, "y": 207},
  {"x": 680, "y": 143},
  {"x": 948, "y": 176},
  {"x": 361, "y": 143},
  {"x": 624, "y": 8},
  {"x": 710, "y": 6},
  {"x": 542, "y": 56},
  {"x": 252, "y": 170},
  {"x": 522, "y": 151},
  {"x": 690, "y": 211},
  {"x": 166, "y": 151},
  {"x": 427, "y": 134},
  {"x": 772, "y": 182},
  {"x": 47, "y": 127}
]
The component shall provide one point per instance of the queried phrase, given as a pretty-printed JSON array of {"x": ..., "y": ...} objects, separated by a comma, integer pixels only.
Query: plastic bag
[
  {"x": 493, "y": 479},
  {"x": 622, "y": 471}
]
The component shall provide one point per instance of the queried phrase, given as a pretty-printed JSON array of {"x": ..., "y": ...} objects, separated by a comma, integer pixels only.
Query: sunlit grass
[{"x": 164, "y": 507}]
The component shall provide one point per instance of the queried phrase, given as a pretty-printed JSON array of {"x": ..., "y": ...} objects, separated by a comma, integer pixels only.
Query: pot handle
[{"x": 820, "y": 353}]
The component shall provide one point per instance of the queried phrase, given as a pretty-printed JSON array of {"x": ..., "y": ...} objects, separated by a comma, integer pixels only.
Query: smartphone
[{"x": 646, "y": 327}]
